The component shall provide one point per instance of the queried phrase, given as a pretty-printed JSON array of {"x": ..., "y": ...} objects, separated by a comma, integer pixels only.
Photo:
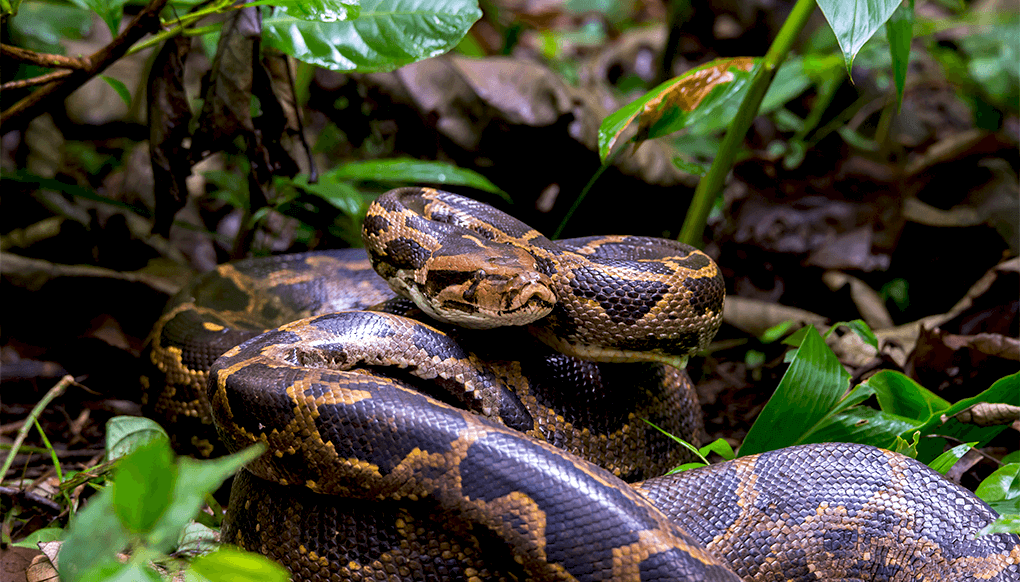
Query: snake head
[{"x": 480, "y": 284}]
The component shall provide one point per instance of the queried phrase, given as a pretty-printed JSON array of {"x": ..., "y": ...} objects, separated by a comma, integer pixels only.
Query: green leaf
[
  {"x": 143, "y": 484},
  {"x": 1002, "y": 485},
  {"x": 196, "y": 479},
  {"x": 813, "y": 384},
  {"x": 40, "y": 536},
  {"x": 414, "y": 172},
  {"x": 126, "y": 433},
  {"x": 1008, "y": 523},
  {"x": 719, "y": 447},
  {"x": 685, "y": 467},
  {"x": 697, "y": 94},
  {"x": 110, "y": 11},
  {"x": 944, "y": 462},
  {"x": 42, "y": 26},
  {"x": 94, "y": 537},
  {"x": 900, "y": 30},
  {"x": 386, "y": 34},
  {"x": 341, "y": 195},
  {"x": 1005, "y": 390},
  {"x": 232, "y": 565},
  {"x": 316, "y": 10},
  {"x": 907, "y": 448},
  {"x": 898, "y": 394},
  {"x": 856, "y": 21},
  {"x": 119, "y": 87},
  {"x": 863, "y": 425}
]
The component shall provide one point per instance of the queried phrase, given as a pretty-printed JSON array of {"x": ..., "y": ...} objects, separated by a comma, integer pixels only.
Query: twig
[
  {"x": 40, "y": 80},
  {"x": 43, "y": 59},
  {"x": 57, "y": 390},
  {"x": 24, "y": 110}
]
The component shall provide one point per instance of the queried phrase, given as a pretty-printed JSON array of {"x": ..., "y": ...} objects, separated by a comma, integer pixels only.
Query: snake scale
[{"x": 411, "y": 441}]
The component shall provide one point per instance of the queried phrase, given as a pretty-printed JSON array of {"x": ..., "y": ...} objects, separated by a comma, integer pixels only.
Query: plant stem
[
  {"x": 32, "y": 417},
  {"x": 704, "y": 195}
]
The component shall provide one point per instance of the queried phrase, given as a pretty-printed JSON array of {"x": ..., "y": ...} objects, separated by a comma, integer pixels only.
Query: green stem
[
  {"x": 181, "y": 25},
  {"x": 30, "y": 421},
  {"x": 704, "y": 195}
]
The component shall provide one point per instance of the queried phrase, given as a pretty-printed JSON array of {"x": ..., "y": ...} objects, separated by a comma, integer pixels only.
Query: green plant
[{"x": 148, "y": 509}]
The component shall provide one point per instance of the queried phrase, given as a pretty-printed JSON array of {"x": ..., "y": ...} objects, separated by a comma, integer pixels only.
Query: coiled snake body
[{"x": 394, "y": 453}]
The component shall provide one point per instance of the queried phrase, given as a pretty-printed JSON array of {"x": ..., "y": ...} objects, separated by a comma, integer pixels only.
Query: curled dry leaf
[
  {"x": 662, "y": 110},
  {"x": 990, "y": 414}
]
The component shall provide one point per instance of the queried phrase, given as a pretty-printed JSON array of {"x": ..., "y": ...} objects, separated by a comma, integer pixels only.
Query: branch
[
  {"x": 40, "y": 80},
  {"x": 32, "y": 105},
  {"x": 42, "y": 59}
]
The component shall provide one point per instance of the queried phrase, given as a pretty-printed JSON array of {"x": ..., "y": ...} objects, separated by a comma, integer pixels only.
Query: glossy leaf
[
  {"x": 898, "y": 394},
  {"x": 385, "y": 35},
  {"x": 944, "y": 462},
  {"x": 672, "y": 105},
  {"x": 812, "y": 386},
  {"x": 1001, "y": 486},
  {"x": 864, "y": 425},
  {"x": 1005, "y": 390},
  {"x": 340, "y": 194},
  {"x": 414, "y": 171},
  {"x": 899, "y": 31},
  {"x": 856, "y": 21},
  {"x": 316, "y": 10}
]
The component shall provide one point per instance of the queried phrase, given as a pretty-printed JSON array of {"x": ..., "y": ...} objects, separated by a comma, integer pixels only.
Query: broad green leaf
[
  {"x": 385, "y": 35},
  {"x": 864, "y": 425},
  {"x": 316, "y": 10},
  {"x": 414, "y": 172},
  {"x": 196, "y": 480},
  {"x": 944, "y": 462},
  {"x": 94, "y": 537},
  {"x": 229, "y": 564},
  {"x": 126, "y": 433},
  {"x": 813, "y": 384},
  {"x": 143, "y": 484},
  {"x": 672, "y": 105},
  {"x": 1008, "y": 523},
  {"x": 1002, "y": 485},
  {"x": 119, "y": 87},
  {"x": 340, "y": 194},
  {"x": 898, "y": 394},
  {"x": 899, "y": 30},
  {"x": 856, "y": 21},
  {"x": 1005, "y": 390},
  {"x": 903, "y": 447}
]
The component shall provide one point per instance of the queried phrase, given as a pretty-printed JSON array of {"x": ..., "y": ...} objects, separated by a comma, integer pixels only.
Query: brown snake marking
[{"x": 432, "y": 491}]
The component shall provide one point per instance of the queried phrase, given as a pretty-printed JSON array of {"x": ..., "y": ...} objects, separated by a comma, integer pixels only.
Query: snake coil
[{"x": 396, "y": 454}]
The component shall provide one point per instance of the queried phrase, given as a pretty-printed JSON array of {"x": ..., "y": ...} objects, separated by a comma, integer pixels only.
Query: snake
[{"x": 465, "y": 400}]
